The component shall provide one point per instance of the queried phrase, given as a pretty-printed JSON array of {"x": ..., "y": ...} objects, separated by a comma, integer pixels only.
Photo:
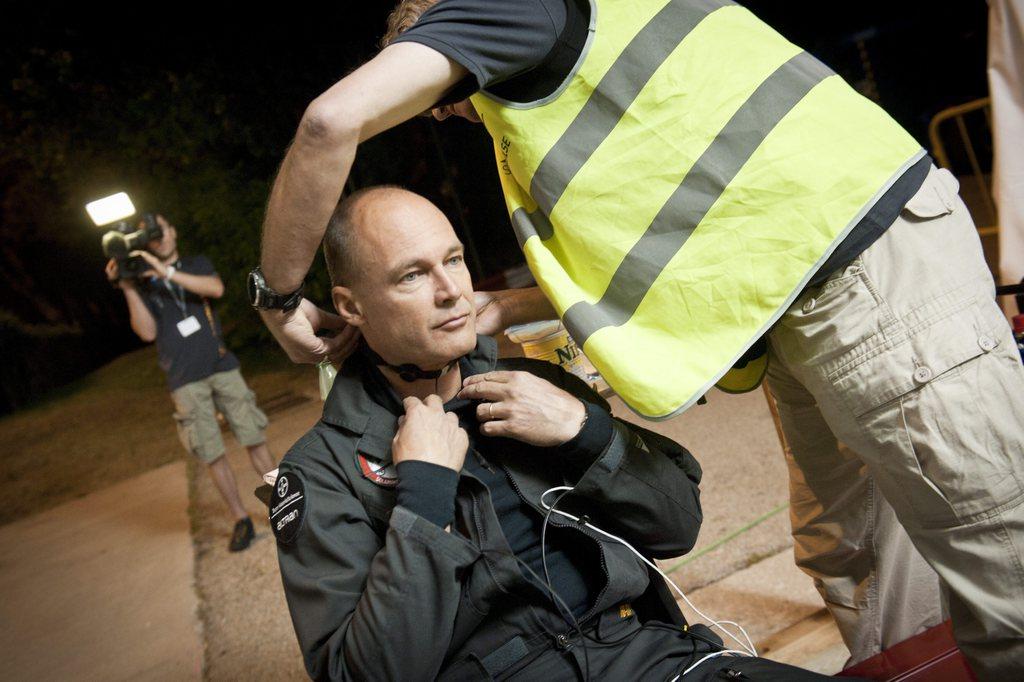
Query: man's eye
[
  {"x": 410, "y": 276},
  {"x": 455, "y": 260}
]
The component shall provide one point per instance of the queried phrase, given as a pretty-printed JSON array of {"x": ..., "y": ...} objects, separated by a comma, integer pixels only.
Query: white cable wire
[
  {"x": 708, "y": 657},
  {"x": 748, "y": 646}
]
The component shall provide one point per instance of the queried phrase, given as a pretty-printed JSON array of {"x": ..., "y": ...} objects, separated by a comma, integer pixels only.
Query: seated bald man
[{"x": 410, "y": 521}]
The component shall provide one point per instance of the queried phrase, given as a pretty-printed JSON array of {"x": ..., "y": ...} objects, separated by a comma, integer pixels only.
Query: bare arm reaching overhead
[{"x": 403, "y": 80}]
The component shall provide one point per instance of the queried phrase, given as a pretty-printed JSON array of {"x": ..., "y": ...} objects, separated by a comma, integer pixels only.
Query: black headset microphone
[{"x": 408, "y": 372}]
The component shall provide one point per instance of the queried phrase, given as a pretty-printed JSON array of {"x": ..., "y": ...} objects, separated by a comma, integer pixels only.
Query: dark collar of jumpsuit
[{"x": 350, "y": 406}]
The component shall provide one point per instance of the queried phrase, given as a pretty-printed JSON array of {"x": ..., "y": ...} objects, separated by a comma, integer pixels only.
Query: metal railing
[{"x": 935, "y": 134}]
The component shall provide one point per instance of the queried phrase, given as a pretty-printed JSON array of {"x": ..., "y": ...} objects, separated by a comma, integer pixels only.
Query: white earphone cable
[{"x": 747, "y": 646}]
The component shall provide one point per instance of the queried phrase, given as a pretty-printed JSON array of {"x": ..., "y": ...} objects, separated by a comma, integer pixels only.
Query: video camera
[{"x": 119, "y": 242}]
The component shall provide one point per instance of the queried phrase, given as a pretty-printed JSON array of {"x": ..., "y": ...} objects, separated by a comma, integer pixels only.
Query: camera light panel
[{"x": 109, "y": 209}]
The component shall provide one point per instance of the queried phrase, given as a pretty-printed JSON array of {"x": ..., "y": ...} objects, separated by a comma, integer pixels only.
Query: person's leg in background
[
  {"x": 199, "y": 431},
  {"x": 224, "y": 478},
  {"x": 259, "y": 456},
  {"x": 875, "y": 584},
  {"x": 913, "y": 366},
  {"x": 237, "y": 403}
]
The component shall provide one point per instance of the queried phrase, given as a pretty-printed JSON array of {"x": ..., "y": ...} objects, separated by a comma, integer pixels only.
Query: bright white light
[{"x": 108, "y": 209}]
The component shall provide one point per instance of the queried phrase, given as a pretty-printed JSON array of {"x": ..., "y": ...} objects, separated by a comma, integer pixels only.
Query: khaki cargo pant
[
  {"x": 901, "y": 395},
  {"x": 195, "y": 411}
]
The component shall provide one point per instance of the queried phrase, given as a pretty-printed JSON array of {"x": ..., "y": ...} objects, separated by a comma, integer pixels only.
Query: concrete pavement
[{"x": 100, "y": 588}]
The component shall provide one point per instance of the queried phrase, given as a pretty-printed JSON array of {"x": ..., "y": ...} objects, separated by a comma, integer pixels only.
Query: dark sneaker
[{"x": 241, "y": 536}]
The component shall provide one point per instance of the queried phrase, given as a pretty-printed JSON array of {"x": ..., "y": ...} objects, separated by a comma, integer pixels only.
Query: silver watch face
[
  {"x": 256, "y": 287},
  {"x": 263, "y": 297}
]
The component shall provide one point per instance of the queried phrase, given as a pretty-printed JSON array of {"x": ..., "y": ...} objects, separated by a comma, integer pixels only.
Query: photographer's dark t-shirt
[{"x": 194, "y": 357}]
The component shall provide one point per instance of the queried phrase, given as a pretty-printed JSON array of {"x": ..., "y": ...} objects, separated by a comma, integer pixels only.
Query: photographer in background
[{"x": 169, "y": 304}]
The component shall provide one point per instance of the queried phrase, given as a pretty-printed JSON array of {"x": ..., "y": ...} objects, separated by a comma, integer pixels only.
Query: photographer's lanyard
[
  {"x": 188, "y": 325},
  {"x": 178, "y": 294}
]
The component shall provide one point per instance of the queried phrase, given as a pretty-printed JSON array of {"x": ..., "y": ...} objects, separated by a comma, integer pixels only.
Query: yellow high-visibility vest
[{"x": 679, "y": 190}]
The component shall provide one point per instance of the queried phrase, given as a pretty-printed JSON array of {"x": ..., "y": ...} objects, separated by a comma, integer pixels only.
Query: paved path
[{"x": 100, "y": 588}]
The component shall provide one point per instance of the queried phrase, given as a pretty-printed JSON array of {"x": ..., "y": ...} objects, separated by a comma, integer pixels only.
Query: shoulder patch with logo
[
  {"x": 287, "y": 507},
  {"x": 376, "y": 471}
]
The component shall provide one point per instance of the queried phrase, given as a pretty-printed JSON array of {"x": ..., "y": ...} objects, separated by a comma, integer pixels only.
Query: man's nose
[{"x": 447, "y": 289}]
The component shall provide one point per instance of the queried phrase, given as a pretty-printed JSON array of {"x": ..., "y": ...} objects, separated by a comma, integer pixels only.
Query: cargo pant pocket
[
  {"x": 185, "y": 418},
  {"x": 259, "y": 417},
  {"x": 196, "y": 422},
  {"x": 252, "y": 422},
  {"x": 834, "y": 326},
  {"x": 944, "y": 418},
  {"x": 185, "y": 424},
  {"x": 237, "y": 402}
]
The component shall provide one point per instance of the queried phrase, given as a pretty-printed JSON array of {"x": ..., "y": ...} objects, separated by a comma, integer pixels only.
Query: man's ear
[{"x": 347, "y": 306}]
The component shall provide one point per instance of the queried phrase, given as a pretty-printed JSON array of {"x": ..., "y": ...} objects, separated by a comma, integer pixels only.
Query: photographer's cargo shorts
[
  {"x": 901, "y": 394},
  {"x": 195, "y": 410}
]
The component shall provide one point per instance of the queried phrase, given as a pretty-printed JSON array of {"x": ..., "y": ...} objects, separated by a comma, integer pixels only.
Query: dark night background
[{"x": 190, "y": 113}]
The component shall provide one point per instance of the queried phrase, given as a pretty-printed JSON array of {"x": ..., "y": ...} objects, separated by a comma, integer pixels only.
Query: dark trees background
[{"x": 191, "y": 112}]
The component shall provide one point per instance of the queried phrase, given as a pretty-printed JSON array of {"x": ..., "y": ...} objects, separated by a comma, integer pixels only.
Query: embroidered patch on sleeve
[
  {"x": 287, "y": 507},
  {"x": 374, "y": 470}
]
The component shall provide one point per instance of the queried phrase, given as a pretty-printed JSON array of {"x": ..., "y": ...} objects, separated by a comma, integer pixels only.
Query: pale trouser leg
[
  {"x": 876, "y": 585},
  {"x": 913, "y": 366}
]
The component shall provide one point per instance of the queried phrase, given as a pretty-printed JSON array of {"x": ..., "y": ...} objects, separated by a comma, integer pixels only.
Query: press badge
[{"x": 188, "y": 326}]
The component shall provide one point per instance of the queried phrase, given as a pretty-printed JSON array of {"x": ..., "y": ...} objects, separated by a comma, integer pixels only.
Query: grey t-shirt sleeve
[{"x": 493, "y": 39}]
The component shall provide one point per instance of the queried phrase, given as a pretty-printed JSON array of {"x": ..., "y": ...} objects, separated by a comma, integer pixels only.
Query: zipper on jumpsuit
[{"x": 567, "y": 636}]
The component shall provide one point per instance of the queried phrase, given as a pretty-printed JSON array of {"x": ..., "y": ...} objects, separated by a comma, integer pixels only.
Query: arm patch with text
[{"x": 287, "y": 507}]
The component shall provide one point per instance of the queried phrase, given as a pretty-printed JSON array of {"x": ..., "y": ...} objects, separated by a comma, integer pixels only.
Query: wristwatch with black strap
[{"x": 262, "y": 297}]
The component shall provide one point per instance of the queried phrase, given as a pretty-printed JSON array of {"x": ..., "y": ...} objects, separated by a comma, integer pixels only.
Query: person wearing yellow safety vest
[{"x": 691, "y": 190}]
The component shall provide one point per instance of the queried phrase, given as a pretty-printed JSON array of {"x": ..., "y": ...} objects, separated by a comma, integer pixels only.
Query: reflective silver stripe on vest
[
  {"x": 618, "y": 88},
  {"x": 528, "y": 225},
  {"x": 699, "y": 190}
]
